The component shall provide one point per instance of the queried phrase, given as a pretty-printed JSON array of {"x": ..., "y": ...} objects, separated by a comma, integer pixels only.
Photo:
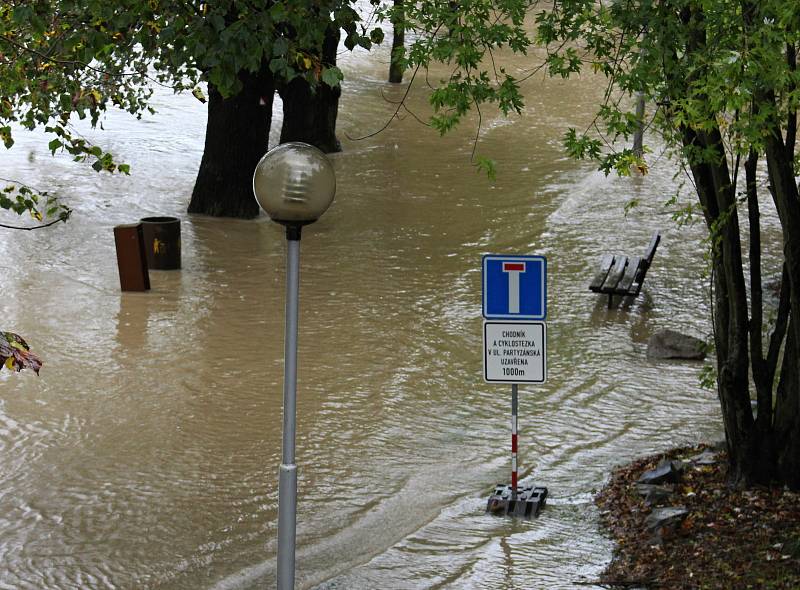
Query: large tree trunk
[
  {"x": 309, "y": 114},
  {"x": 237, "y": 135}
]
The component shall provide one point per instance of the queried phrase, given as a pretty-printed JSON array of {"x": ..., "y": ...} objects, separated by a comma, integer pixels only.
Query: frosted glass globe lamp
[{"x": 294, "y": 183}]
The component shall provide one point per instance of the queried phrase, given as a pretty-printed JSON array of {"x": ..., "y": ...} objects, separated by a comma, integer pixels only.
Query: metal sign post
[
  {"x": 515, "y": 351},
  {"x": 514, "y": 451}
]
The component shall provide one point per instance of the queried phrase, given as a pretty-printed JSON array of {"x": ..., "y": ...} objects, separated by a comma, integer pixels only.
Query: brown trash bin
[
  {"x": 162, "y": 241},
  {"x": 131, "y": 259}
]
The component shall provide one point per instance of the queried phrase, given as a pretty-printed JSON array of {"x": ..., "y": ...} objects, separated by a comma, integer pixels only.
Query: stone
[
  {"x": 707, "y": 457},
  {"x": 669, "y": 344},
  {"x": 654, "y": 494},
  {"x": 663, "y": 522},
  {"x": 666, "y": 472}
]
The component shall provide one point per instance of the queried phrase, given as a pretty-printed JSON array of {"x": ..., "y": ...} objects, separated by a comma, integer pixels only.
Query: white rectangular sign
[{"x": 514, "y": 352}]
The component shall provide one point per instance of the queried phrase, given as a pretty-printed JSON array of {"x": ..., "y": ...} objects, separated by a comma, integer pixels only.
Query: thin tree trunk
[
  {"x": 716, "y": 193},
  {"x": 761, "y": 376},
  {"x": 638, "y": 137},
  {"x": 763, "y": 368},
  {"x": 398, "y": 43},
  {"x": 237, "y": 135},
  {"x": 787, "y": 417},
  {"x": 785, "y": 195},
  {"x": 714, "y": 189}
]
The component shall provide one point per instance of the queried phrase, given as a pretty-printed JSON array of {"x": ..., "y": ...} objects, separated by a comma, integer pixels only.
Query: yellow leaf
[
  {"x": 10, "y": 363},
  {"x": 14, "y": 343},
  {"x": 198, "y": 94}
]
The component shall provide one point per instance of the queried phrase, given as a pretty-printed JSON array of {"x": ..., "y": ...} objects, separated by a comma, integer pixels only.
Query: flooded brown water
[{"x": 146, "y": 454}]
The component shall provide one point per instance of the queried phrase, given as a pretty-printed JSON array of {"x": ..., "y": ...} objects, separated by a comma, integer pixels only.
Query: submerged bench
[{"x": 623, "y": 275}]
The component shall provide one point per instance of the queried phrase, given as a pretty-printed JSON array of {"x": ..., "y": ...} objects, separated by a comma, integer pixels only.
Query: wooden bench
[{"x": 623, "y": 275}]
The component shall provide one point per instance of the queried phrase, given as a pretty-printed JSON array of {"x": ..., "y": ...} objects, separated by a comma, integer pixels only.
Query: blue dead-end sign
[{"x": 514, "y": 287}]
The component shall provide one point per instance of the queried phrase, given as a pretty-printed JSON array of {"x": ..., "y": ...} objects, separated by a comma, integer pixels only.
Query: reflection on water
[{"x": 146, "y": 454}]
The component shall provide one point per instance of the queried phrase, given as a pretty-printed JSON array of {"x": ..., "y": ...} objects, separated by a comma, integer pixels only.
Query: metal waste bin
[{"x": 162, "y": 241}]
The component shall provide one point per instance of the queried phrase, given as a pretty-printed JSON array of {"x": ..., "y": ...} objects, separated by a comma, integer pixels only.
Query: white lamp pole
[{"x": 294, "y": 184}]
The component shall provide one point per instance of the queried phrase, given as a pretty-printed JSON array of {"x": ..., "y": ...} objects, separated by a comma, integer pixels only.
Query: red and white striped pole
[{"x": 514, "y": 442}]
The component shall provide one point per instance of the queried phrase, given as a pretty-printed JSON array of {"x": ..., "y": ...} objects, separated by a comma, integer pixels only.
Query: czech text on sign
[
  {"x": 514, "y": 287},
  {"x": 514, "y": 352}
]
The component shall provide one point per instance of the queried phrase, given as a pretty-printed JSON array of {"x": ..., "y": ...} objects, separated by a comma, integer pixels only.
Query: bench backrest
[{"x": 651, "y": 249}]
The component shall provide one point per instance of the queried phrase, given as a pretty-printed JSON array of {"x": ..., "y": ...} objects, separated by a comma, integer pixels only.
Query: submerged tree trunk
[
  {"x": 638, "y": 137},
  {"x": 237, "y": 135},
  {"x": 309, "y": 114},
  {"x": 398, "y": 43}
]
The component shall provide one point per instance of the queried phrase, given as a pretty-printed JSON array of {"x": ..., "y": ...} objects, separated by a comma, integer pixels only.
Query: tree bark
[
  {"x": 787, "y": 418},
  {"x": 731, "y": 323},
  {"x": 784, "y": 193},
  {"x": 237, "y": 135},
  {"x": 309, "y": 114},
  {"x": 398, "y": 43}
]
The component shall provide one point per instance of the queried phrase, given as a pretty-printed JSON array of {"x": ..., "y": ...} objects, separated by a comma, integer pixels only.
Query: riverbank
[{"x": 727, "y": 539}]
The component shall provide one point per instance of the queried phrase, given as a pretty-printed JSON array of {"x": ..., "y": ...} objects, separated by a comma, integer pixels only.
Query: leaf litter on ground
[{"x": 731, "y": 539}]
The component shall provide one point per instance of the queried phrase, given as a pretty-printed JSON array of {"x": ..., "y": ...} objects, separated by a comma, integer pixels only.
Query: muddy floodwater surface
[{"x": 146, "y": 454}]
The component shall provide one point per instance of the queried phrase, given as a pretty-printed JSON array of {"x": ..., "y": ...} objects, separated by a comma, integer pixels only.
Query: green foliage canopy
[
  {"x": 639, "y": 47},
  {"x": 465, "y": 35}
]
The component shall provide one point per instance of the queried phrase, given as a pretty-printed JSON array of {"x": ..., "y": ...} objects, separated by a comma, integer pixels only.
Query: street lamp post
[{"x": 294, "y": 184}]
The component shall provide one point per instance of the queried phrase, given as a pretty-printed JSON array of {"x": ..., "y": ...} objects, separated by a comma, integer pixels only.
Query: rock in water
[{"x": 669, "y": 344}]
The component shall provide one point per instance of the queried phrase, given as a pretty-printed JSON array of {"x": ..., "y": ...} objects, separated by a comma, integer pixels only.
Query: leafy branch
[
  {"x": 15, "y": 354},
  {"x": 21, "y": 198}
]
